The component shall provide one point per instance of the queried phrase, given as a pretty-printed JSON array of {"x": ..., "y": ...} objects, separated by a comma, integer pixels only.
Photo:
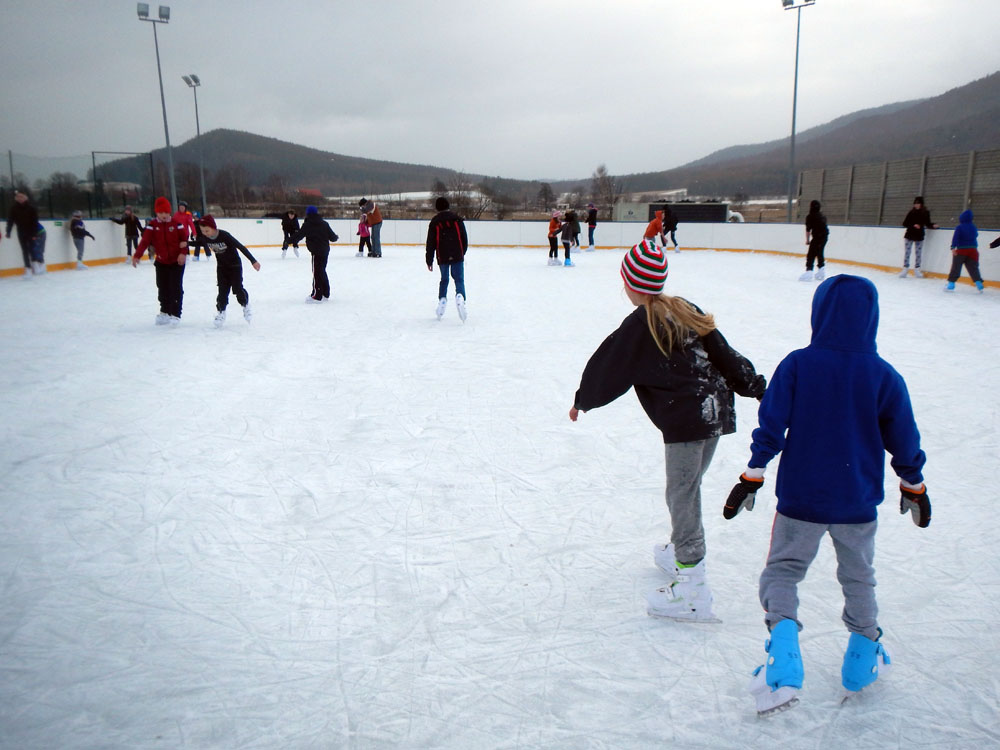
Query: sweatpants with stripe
[
  {"x": 686, "y": 464},
  {"x": 794, "y": 545}
]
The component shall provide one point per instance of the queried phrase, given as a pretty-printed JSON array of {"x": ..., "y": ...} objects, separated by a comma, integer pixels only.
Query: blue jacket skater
[{"x": 833, "y": 409}]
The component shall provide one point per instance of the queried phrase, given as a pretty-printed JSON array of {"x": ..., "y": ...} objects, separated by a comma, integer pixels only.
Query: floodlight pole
[
  {"x": 788, "y": 5},
  {"x": 164, "y": 18},
  {"x": 193, "y": 83}
]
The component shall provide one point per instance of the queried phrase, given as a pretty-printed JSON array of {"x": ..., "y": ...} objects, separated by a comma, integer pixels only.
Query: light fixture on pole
[
  {"x": 797, "y": 7},
  {"x": 193, "y": 83},
  {"x": 142, "y": 9}
]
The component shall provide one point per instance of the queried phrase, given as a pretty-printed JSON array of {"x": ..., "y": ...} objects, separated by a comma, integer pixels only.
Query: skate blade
[
  {"x": 773, "y": 710},
  {"x": 695, "y": 617}
]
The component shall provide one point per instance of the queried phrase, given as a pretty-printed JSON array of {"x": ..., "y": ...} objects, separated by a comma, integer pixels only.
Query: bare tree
[
  {"x": 604, "y": 189},
  {"x": 546, "y": 197}
]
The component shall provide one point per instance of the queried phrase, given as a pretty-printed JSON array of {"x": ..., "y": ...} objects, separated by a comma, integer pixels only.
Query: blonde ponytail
[{"x": 671, "y": 319}]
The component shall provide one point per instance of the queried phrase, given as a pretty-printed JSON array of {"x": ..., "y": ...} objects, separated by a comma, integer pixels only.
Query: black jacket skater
[
  {"x": 446, "y": 239},
  {"x": 688, "y": 395},
  {"x": 317, "y": 233}
]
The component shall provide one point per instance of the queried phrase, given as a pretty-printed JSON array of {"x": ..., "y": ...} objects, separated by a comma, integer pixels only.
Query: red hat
[
  {"x": 162, "y": 206},
  {"x": 207, "y": 221}
]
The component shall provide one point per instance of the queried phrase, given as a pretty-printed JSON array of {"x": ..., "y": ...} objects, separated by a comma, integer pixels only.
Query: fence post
[
  {"x": 850, "y": 193},
  {"x": 968, "y": 179},
  {"x": 881, "y": 199},
  {"x": 923, "y": 175}
]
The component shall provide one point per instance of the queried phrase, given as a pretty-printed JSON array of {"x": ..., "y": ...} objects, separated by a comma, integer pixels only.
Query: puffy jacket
[
  {"x": 916, "y": 222},
  {"x": 833, "y": 409},
  {"x": 289, "y": 224},
  {"x": 655, "y": 227},
  {"x": 446, "y": 238},
  {"x": 688, "y": 395}
]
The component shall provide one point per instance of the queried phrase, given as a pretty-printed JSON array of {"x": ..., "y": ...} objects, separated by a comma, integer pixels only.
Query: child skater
[
  {"x": 228, "y": 268},
  {"x": 554, "y": 226},
  {"x": 567, "y": 238},
  {"x": 167, "y": 240},
  {"x": 365, "y": 235},
  {"x": 832, "y": 410},
  {"x": 965, "y": 252},
  {"x": 817, "y": 234},
  {"x": 79, "y": 233},
  {"x": 684, "y": 374}
]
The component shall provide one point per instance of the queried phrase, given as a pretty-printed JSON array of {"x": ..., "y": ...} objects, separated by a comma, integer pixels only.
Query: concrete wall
[{"x": 879, "y": 247}]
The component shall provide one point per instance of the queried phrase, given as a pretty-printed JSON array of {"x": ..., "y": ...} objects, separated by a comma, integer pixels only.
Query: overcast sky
[{"x": 532, "y": 89}]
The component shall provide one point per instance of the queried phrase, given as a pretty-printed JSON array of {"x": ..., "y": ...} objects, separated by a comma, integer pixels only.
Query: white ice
[{"x": 352, "y": 525}]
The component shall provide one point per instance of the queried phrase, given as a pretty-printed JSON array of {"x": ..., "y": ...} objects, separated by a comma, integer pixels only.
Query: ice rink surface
[{"x": 352, "y": 525}]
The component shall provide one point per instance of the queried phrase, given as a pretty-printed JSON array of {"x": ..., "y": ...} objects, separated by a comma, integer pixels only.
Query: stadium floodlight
[
  {"x": 142, "y": 9},
  {"x": 790, "y": 5},
  {"x": 193, "y": 83}
]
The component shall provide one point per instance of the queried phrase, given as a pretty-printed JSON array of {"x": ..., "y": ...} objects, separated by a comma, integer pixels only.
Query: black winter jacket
[
  {"x": 317, "y": 234},
  {"x": 917, "y": 216},
  {"x": 25, "y": 217},
  {"x": 132, "y": 224},
  {"x": 446, "y": 239},
  {"x": 289, "y": 224},
  {"x": 688, "y": 395}
]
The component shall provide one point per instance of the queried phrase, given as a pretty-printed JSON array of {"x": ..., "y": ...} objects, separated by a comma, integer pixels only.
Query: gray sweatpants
[
  {"x": 686, "y": 464},
  {"x": 794, "y": 545}
]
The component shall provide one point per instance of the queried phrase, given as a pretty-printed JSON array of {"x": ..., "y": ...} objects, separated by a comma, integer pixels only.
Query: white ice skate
[
  {"x": 663, "y": 556},
  {"x": 247, "y": 313},
  {"x": 162, "y": 319},
  {"x": 820, "y": 274},
  {"x": 442, "y": 304},
  {"x": 688, "y": 598},
  {"x": 220, "y": 318},
  {"x": 296, "y": 251},
  {"x": 173, "y": 320},
  {"x": 917, "y": 273},
  {"x": 283, "y": 254},
  {"x": 359, "y": 255},
  {"x": 771, "y": 702},
  {"x": 460, "y": 304},
  {"x": 806, "y": 276}
]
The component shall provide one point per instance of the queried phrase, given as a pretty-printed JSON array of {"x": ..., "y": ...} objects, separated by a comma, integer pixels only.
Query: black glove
[
  {"x": 917, "y": 503},
  {"x": 995, "y": 243},
  {"x": 741, "y": 496}
]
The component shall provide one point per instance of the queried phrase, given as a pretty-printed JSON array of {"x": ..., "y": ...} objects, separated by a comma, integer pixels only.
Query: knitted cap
[
  {"x": 207, "y": 221},
  {"x": 441, "y": 204},
  {"x": 311, "y": 210},
  {"x": 162, "y": 206},
  {"x": 644, "y": 268}
]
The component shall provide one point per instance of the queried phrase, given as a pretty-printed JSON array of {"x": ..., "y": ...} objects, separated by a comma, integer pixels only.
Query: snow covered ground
[{"x": 351, "y": 525}]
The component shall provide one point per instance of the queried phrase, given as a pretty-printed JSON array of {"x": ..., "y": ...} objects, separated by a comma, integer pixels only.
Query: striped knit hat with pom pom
[{"x": 644, "y": 268}]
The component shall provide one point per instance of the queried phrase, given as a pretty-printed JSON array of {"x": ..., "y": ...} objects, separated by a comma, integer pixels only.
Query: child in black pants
[{"x": 228, "y": 269}]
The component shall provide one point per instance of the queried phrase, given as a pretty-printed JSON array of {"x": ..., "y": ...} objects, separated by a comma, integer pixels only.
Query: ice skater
[
  {"x": 79, "y": 233},
  {"x": 228, "y": 267},
  {"x": 133, "y": 229},
  {"x": 684, "y": 373},
  {"x": 654, "y": 230},
  {"x": 567, "y": 237},
  {"x": 318, "y": 236},
  {"x": 817, "y": 233},
  {"x": 555, "y": 225},
  {"x": 448, "y": 242},
  {"x": 364, "y": 237},
  {"x": 167, "y": 239},
  {"x": 917, "y": 221},
  {"x": 670, "y": 228},
  {"x": 591, "y": 226},
  {"x": 832, "y": 410},
  {"x": 965, "y": 252},
  {"x": 289, "y": 226}
]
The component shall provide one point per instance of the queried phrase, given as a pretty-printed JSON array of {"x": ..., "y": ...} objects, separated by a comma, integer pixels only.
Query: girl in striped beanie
[{"x": 684, "y": 374}]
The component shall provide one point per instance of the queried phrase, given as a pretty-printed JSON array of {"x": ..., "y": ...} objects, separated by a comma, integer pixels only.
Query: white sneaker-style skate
[
  {"x": 247, "y": 313},
  {"x": 162, "y": 319},
  {"x": 460, "y": 304},
  {"x": 173, "y": 320},
  {"x": 442, "y": 304},
  {"x": 903, "y": 272},
  {"x": 220, "y": 318},
  {"x": 283, "y": 254},
  {"x": 688, "y": 598},
  {"x": 29, "y": 272},
  {"x": 806, "y": 276},
  {"x": 917, "y": 273},
  {"x": 296, "y": 251},
  {"x": 359, "y": 255},
  {"x": 820, "y": 274},
  {"x": 80, "y": 266}
]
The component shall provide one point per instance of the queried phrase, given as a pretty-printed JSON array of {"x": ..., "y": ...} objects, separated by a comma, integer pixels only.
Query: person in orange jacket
[
  {"x": 371, "y": 209},
  {"x": 167, "y": 239},
  {"x": 654, "y": 230},
  {"x": 554, "y": 226}
]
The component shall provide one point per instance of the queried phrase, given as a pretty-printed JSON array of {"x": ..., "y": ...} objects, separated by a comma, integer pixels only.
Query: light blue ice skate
[
  {"x": 775, "y": 686},
  {"x": 862, "y": 662}
]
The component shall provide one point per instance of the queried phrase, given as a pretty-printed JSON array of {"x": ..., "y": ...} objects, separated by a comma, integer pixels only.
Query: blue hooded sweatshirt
[
  {"x": 833, "y": 409},
  {"x": 966, "y": 237}
]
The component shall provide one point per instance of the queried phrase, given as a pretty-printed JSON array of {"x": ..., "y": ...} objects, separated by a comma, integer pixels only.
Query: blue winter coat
[
  {"x": 966, "y": 236},
  {"x": 833, "y": 409}
]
